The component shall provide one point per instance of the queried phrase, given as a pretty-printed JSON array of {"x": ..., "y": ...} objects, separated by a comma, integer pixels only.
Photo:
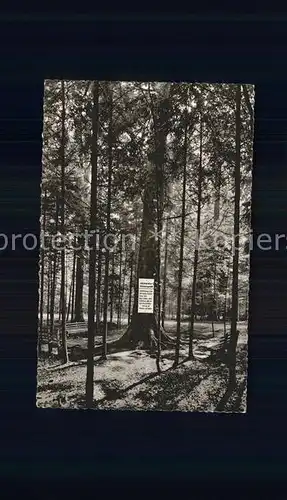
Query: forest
[{"x": 144, "y": 256}]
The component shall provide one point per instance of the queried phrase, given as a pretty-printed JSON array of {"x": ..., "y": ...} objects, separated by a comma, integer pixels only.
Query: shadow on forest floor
[
  {"x": 113, "y": 393},
  {"x": 162, "y": 392},
  {"x": 232, "y": 398},
  {"x": 128, "y": 380},
  {"x": 173, "y": 387}
]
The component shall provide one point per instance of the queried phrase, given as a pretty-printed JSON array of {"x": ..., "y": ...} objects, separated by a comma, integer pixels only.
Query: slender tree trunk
[
  {"x": 159, "y": 212},
  {"x": 54, "y": 279},
  {"x": 73, "y": 285},
  {"x": 224, "y": 311},
  {"x": 107, "y": 252},
  {"x": 42, "y": 276},
  {"x": 212, "y": 323},
  {"x": 67, "y": 288},
  {"x": 158, "y": 357},
  {"x": 170, "y": 315},
  {"x": 249, "y": 106},
  {"x": 225, "y": 301},
  {"x": 131, "y": 288},
  {"x": 93, "y": 250},
  {"x": 63, "y": 251},
  {"x": 112, "y": 290},
  {"x": 120, "y": 284},
  {"x": 214, "y": 308},
  {"x": 102, "y": 307},
  {"x": 123, "y": 289},
  {"x": 181, "y": 251},
  {"x": 246, "y": 305},
  {"x": 234, "y": 316},
  {"x": 49, "y": 279},
  {"x": 79, "y": 286},
  {"x": 196, "y": 250},
  {"x": 70, "y": 299},
  {"x": 99, "y": 284},
  {"x": 78, "y": 315},
  {"x": 134, "y": 263},
  {"x": 217, "y": 194},
  {"x": 60, "y": 308},
  {"x": 164, "y": 276}
]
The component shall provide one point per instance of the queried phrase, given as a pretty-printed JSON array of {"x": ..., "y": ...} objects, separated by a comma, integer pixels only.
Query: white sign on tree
[{"x": 146, "y": 295}]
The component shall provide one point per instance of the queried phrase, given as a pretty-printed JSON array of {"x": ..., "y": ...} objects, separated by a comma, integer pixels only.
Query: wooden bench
[
  {"x": 49, "y": 343},
  {"x": 80, "y": 327},
  {"x": 225, "y": 349},
  {"x": 72, "y": 329}
]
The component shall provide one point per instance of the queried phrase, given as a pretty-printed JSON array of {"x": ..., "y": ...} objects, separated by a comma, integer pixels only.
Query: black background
[{"x": 51, "y": 445}]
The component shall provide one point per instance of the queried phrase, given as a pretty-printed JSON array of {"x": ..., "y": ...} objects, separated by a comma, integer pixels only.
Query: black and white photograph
[{"x": 145, "y": 247}]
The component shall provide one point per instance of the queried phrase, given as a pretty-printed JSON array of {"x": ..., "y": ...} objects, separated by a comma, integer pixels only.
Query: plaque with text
[{"x": 146, "y": 295}]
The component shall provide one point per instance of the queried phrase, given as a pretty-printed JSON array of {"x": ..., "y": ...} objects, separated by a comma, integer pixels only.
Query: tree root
[{"x": 127, "y": 342}]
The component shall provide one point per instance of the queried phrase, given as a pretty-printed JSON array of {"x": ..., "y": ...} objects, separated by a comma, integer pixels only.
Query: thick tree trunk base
[
  {"x": 140, "y": 337},
  {"x": 78, "y": 319}
]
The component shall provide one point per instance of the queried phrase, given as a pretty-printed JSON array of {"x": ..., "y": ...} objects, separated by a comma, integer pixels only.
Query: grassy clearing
[{"x": 128, "y": 381}]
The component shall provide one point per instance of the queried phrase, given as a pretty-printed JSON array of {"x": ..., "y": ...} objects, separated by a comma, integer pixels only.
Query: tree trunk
[
  {"x": 135, "y": 259},
  {"x": 144, "y": 328},
  {"x": 181, "y": 251},
  {"x": 64, "y": 347},
  {"x": 42, "y": 276},
  {"x": 49, "y": 279},
  {"x": 212, "y": 325},
  {"x": 196, "y": 250},
  {"x": 246, "y": 306},
  {"x": 54, "y": 279},
  {"x": 108, "y": 227},
  {"x": 99, "y": 284},
  {"x": 123, "y": 289},
  {"x": 112, "y": 289},
  {"x": 131, "y": 288},
  {"x": 164, "y": 276},
  {"x": 225, "y": 301},
  {"x": 60, "y": 307},
  {"x": 217, "y": 194},
  {"x": 249, "y": 106},
  {"x": 70, "y": 299},
  {"x": 67, "y": 288},
  {"x": 214, "y": 308},
  {"x": 120, "y": 284},
  {"x": 234, "y": 316},
  {"x": 224, "y": 311},
  {"x": 141, "y": 324},
  {"x": 101, "y": 307},
  {"x": 79, "y": 287},
  {"x": 73, "y": 285},
  {"x": 93, "y": 250},
  {"x": 158, "y": 331},
  {"x": 159, "y": 175}
]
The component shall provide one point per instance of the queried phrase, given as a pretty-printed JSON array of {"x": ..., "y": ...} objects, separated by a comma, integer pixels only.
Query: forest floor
[{"x": 128, "y": 379}]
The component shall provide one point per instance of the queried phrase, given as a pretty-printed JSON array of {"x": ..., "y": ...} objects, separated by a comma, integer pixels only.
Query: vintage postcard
[{"x": 145, "y": 246}]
